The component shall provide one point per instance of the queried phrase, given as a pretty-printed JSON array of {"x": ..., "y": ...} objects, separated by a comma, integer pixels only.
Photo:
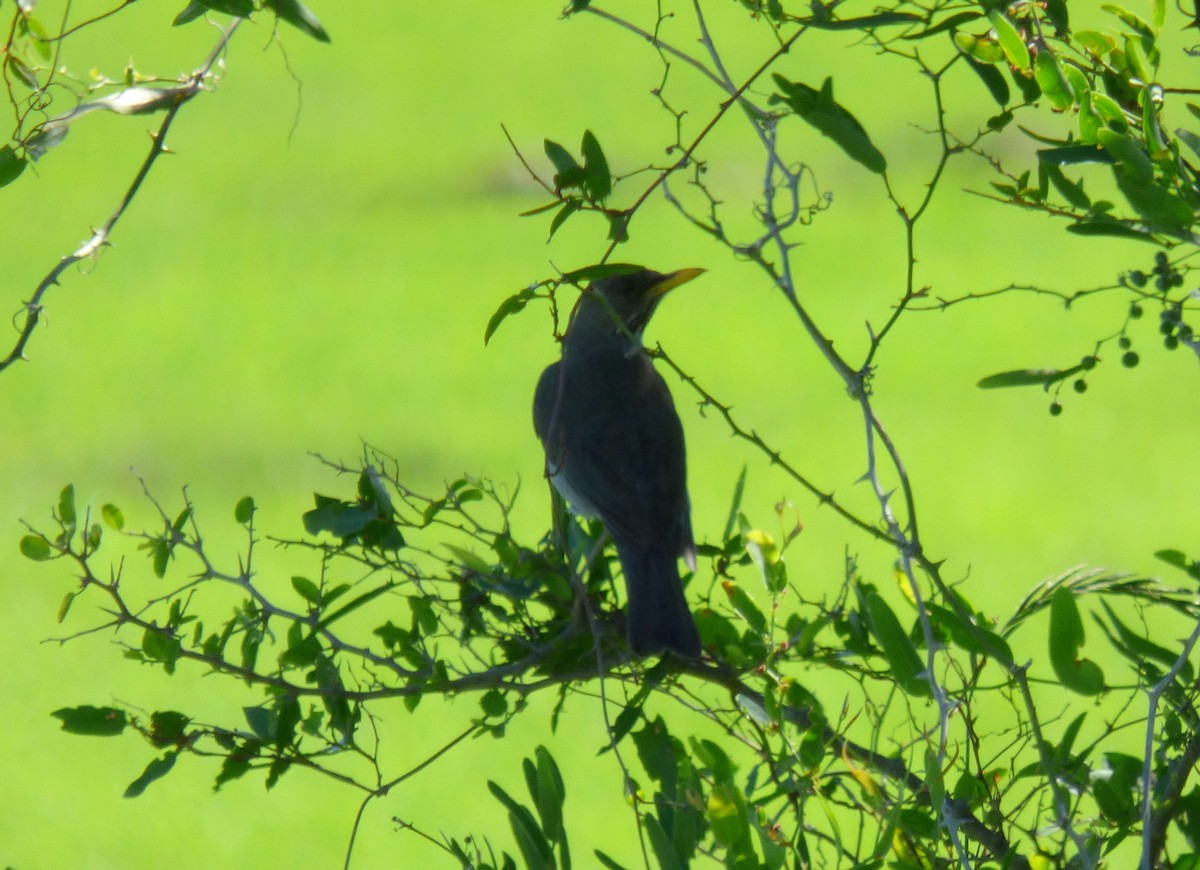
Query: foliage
[{"x": 883, "y": 724}]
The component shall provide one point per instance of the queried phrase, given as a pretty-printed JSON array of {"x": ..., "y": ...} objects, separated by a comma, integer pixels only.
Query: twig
[{"x": 193, "y": 85}]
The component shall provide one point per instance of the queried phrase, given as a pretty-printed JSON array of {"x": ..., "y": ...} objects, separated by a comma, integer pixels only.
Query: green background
[{"x": 314, "y": 267}]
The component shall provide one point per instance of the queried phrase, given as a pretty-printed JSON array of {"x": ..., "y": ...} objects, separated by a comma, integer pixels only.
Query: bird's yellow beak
[{"x": 673, "y": 280}]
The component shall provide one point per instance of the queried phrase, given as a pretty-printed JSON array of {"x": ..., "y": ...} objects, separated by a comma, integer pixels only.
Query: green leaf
[
  {"x": 570, "y": 207},
  {"x": 661, "y": 845},
  {"x": 36, "y": 547},
  {"x": 819, "y": 109},
  {"x": 243, "y": 511},
  {"x": 1052, "y": 80},
  {"x": 530, "y": 840},
  {"x": 863, "y": 22},
  {"x": 978, "y": 48},
  {"x": 745, "y": 607},
  {"x": 11, "y": 166},
  {"x": 1066, "y": 638},
  {"x": 337, "y": 517},
  {"x": 66, "y": 505},
  {"x": 92, "y": 721},
  {"x": 1070, "y": 191},
  {"x": 1128, "y": 153},
  {"x": 595, "y": 273},
  {"x": 1026, "y": 377},
  {"x": 597, "y": 179},
  {"x": 569, "y": 173},
  {"x": 239, "y": 8},
  {"x": 1010, "y": 39},
  {"x": 168, "y": 728},
  {"x": 1177, "y": 559},
  {"x": 298, "y": 15},
  {"x": 992, "y": 78},
  {"x": 726, "y": 813},
  {"x": 1162, "y": 209},
  {"x": 550, "y": 795},
  {"x": 511, "y": 305},
  {"x": 156, "y": 769},
  {"x": 112, "y": 515},
  {"x": 493, "y": 703},
  {"x": 307, "y": 590},
  {"x": 970, "y": 636},
  {"x": 897, "y": 646},
  {"x": 191, "y": 12},
  {"x": 259, "y": 720},
  {"x": 1094, "y": 42}
]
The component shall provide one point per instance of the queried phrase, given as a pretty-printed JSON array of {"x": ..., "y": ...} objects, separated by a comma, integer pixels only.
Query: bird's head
[{"x": 632, "y": 297}]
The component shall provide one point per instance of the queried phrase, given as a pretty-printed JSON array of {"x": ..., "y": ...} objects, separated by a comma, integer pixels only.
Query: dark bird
[{"x": 614, "y": 450}]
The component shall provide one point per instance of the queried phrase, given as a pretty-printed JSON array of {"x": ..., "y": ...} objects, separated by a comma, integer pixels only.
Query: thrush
[{"x": 615, "y": 451}]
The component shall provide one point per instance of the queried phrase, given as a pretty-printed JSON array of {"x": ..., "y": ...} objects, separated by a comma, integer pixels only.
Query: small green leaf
[
  {"x": 597, "y": 179},
  {"x": 1070, "y": 191},
  {"x": 509, "y": 306},
  {"x": 1052, "y": 80},
  {"x": 979, "y": 48},
  {"x": 11, "y": 166},
  {"x": 897, "y": 646},
  {"x": 570, "y": 206},
  {"x": 191, "y": 12},
  {"x": 92, "y": 721},
  {"x": 595, "y": 273},
  {"x": 569, "y": 173},
  {"x": 1026, "y": 377},
  {"x": 239, "y": 8},
  {"x": 298, "y": 15},
  {"x": 243, "y": 511},
  {"x": 66, "y": 505},
  {"x": 1177, "y": 559},
  {"x": 493, "y": 703},
  {"x": 819, "y": 109},
  {"x": 1066, "y": 638},
  {"x": 307, "y": 590},
  {"x": 36, "y": 547},
  {"x": 112, "y": 515},
  {"x": 156, "y": 769},
  {"x": 1010, "y": 39}
]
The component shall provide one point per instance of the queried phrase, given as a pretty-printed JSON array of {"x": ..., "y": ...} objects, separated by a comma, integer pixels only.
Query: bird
[{"x": 615, "y": 451}]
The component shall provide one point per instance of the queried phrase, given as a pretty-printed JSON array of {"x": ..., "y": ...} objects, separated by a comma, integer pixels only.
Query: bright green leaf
[
  {"x": 1010, "y": 39},
  {"x": 35, "y": 547}
]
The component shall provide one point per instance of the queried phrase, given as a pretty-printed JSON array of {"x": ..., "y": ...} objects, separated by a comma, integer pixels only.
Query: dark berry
[
  {"x": 1055, "y": 409},
  {"x": 1160, "y": 260},
  {"x": 1137, "y": 278},
  {"x": 1080, "y": 386},
  {"x": 1088, "y": 363},
  {"x": 1124, "y": 342},
  {"x": 1135, "y": 311},
  {"x": 1170, "y": 342},
  {"x": 1129, "y": 359}
]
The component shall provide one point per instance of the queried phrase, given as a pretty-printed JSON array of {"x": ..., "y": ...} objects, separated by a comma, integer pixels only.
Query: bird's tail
[{"x": 658, "y": 618}]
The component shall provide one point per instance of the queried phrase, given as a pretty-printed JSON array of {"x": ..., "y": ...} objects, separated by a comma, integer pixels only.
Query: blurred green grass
[{"x": 281, "y": 289}]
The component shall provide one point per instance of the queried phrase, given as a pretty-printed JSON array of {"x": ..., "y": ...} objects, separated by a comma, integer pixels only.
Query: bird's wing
[{"x": 630, "y": 465}]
